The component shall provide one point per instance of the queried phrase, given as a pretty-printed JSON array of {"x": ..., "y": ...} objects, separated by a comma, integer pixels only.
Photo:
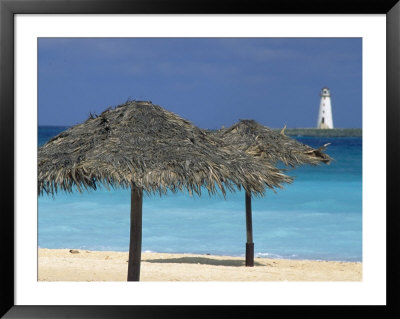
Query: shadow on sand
[{"x": 202, "y": 261}]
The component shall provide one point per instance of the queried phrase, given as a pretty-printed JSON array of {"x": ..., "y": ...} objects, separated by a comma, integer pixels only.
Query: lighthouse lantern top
[{"x": 325, "y": 92}]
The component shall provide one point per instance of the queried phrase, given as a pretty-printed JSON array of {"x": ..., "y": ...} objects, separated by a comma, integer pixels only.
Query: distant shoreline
[
  {"x": 336, "y": 132},
  {"x": 311, "y": 132}
]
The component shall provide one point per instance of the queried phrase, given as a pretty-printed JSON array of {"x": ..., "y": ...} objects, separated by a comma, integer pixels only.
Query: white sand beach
[{"x": 84, "y": 265}]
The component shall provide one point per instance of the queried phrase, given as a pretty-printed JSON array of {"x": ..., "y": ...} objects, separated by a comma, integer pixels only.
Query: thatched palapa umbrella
[
  {"x": 268, "y": 146},
  {"x": 141, "y": 146}
]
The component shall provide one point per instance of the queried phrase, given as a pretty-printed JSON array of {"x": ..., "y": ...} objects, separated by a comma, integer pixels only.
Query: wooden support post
[
  {"x": 249, "y": 233},
  {"x": 135, "y": 243}
]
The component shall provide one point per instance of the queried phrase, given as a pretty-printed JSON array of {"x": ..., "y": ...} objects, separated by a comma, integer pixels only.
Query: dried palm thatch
[
  {"x": 267, "y": 146},
  {"x": 271, "y": 146},
  {"x": 143, "y": 145}
]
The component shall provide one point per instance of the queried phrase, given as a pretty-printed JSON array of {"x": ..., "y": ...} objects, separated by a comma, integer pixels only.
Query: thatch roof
[
  {"x": 271, "y": 146},
  {"x": 142, "y": 144}
]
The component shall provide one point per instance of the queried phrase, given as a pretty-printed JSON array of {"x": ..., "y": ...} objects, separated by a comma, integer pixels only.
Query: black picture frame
[{"x": 9, "y": 8}]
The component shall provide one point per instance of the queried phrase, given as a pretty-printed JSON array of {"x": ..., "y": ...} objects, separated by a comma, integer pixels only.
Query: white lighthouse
[{"x": 325, "y": 120}]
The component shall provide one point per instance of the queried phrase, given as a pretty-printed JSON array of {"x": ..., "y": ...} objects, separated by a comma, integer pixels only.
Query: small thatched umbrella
[
  {"x": 144, "y": 147},
  {"x": 270, "y": 147}
]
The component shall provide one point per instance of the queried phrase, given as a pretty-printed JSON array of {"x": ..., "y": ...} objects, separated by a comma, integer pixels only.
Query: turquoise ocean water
[{"x": 317, "y": 217}]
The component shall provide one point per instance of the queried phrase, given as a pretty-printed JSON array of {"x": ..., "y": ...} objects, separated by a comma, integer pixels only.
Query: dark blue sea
[{"x": 318, "y": 217}]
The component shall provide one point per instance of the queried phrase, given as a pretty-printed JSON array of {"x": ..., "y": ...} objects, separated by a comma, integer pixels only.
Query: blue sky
[{"x": 209, "y": 81}]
